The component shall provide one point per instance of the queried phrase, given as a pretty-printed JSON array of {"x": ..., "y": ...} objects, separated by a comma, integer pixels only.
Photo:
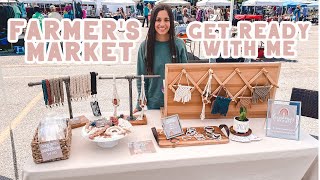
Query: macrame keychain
[
  {"x": 206, "y": 95},
  {"x": 115, "y": 97},
  {"x": 183, "y": 93},
  {"x": 221, "y": 104},
  {"x": 142, "y": 98}
]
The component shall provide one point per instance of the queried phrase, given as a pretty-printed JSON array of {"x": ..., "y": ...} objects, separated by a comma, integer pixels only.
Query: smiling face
[{"x": 162, "y": 25}]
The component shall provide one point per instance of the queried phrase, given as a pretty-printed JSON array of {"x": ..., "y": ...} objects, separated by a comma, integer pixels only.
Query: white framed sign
[
  {"x": 283, "y": 119},
  {"x": 171, "y": 126}
]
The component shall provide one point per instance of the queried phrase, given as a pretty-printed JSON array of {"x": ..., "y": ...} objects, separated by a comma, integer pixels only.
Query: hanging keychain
[
  {"x": 94, "y": 103},
  {"x": 206, "y": 95},
  {"x": 142, "y": 98},
  {"x": 115, "y": 97}
]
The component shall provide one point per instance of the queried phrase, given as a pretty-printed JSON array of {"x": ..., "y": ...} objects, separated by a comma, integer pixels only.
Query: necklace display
[
  {"x": 142, "y": 98},
  {"x": 115, "y": 97}
]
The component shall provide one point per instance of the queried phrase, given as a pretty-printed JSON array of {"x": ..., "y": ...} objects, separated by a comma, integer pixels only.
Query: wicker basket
[{"x": 65, "y": 145}]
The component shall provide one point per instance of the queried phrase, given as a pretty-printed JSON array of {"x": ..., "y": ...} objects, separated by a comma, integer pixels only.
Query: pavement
[{"x": 23, "y": 107}]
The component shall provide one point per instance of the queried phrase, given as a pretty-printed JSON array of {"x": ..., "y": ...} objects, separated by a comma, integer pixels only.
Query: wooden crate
[{"x": 234, "y": 73}]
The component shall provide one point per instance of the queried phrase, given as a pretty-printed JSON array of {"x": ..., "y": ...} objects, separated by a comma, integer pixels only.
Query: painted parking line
[{"x": 18, "y": 119}]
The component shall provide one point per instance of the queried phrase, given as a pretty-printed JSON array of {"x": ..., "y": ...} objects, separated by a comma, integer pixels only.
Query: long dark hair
[{"x": 151, "y": 37}]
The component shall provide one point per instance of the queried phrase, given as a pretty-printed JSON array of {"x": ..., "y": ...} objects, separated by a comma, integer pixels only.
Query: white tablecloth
[{"x": 269, "y": 159}]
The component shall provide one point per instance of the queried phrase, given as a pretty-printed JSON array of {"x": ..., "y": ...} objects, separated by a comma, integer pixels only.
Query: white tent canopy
[
  {"x": 213, "y": 3},
  {"x": 174, "y": 2},
  {"x": 58, "y": 1},
  {"x": 263, "y": 3},
  {"x": 113, "y": 5},
  {"x": 118, "y": 2},
  {"x": 7, "y": 1}
]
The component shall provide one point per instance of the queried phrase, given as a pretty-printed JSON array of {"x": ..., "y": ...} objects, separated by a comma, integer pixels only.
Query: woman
[{"x": 160, "y": 47}]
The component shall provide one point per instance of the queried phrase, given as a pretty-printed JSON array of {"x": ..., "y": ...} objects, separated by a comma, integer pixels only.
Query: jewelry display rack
[
  {"x": 67, "y": 83},
  {"x": 131, "y": 118}
]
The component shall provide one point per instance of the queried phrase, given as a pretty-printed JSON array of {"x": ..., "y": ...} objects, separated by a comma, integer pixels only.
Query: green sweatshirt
[{"x": 154, "y": 86}]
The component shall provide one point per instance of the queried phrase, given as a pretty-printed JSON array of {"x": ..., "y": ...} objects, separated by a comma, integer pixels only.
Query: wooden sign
[{"x": 234, "y": 80}]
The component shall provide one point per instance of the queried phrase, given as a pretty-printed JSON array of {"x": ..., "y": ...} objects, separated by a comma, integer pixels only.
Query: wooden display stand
[
  {"x": 139, "y": 122},
  {"x": 163, "y": 142},
  {"x": 235, "y": 79}
]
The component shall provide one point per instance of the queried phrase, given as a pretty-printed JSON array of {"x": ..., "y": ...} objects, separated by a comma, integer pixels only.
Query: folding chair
[{"x": 309, "y": 102}]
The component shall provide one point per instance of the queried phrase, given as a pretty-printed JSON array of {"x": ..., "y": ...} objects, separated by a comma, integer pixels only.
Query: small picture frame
[
  {"x": 283, "y": 119},
  {"x": 171, "y": 126}
]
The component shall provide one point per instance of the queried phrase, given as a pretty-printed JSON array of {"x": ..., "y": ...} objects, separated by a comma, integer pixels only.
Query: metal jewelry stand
[{"x": 130, "y": 78}]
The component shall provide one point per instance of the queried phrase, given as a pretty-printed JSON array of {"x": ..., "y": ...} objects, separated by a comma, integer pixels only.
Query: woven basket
[{"x": 65, "y": 145}]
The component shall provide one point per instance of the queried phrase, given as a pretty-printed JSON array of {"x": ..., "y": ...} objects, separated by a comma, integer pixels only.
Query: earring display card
[
  {"x": 141, "y": 147},
  {"x": 283, "y": 119},
  {"x": 171, "y": 126},
  {"x": 95, "y": 108}
]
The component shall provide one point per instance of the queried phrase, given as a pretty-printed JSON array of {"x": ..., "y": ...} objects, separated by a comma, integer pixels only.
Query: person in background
[
  {"x": 17, "y": 12},
  {"x": 305, "y": 13},
  {"x": 53, "y": 13},
  {"x": 122, "y": 14},
  {"x": 175, "y": 13},
  {"x": 145, "y": 14},
  {"x": 140, "y": 8},
  {"x": 296, "y": 13},
  {"x": 68, "y": 13},
  {"x": 37, "y": 15},
  {"x": 160, "y": 47}
]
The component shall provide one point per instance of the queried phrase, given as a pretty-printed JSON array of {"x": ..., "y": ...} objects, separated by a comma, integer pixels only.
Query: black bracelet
[{"x": 93, "y": 83}]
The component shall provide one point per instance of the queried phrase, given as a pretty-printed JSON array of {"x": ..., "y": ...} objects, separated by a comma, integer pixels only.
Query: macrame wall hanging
[
  {"x": 221, "y": 104},
  {"x": 142, "y": 99},
  {"x": 115, "y": 97},
  {"x": 53, "y": 93},
  {"x": 244, "y": 101},
  {"x": 183, "y": 92},
  {"x": 260, "y": 93},
  {"x": 206, "y": 95}
]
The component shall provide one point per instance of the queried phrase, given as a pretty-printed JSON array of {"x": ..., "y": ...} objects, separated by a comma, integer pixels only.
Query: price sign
[{"x": 50, "y": 150}]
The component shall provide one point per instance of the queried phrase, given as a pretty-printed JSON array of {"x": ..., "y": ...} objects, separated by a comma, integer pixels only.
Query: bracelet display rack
[
  {"x": 133, "y": 119},
  {"x": 66, "y": 80}
]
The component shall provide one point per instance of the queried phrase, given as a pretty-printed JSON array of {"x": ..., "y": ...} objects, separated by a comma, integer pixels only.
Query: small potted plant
[{"x": 241, "y": 122}]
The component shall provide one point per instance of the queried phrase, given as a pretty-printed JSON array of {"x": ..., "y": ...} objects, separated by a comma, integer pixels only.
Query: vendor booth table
[{"x": 268, "y": 159}]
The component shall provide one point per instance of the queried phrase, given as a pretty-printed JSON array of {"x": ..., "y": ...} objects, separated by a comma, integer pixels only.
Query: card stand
[
  {"x": 163, "y": 142},
  {"x": 133, "y": 119}
]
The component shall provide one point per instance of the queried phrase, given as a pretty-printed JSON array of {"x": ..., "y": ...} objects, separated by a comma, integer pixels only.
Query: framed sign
[
  {"x": 171, "y": 126},
  {"x": 283, "y": 119}
]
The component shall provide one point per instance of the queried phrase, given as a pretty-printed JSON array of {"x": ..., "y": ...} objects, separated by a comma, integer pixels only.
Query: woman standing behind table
[{"x": 160, "y": 47}]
